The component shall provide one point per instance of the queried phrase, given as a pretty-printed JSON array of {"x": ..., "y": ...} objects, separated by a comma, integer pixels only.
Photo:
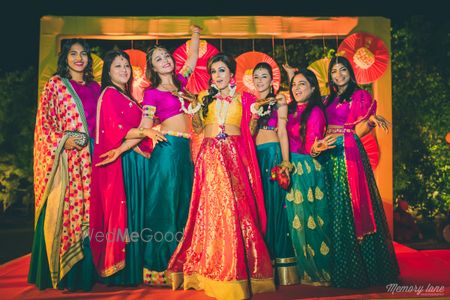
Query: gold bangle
[
  {"x": 141, "y": 131},
  {"x": 287, "y": 164}
]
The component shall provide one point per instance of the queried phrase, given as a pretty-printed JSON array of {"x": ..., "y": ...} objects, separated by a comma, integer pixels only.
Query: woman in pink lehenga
[{"x": 223, "y": 251}]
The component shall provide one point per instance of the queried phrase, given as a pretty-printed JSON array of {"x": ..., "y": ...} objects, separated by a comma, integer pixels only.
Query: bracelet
[
  {"x": 255, "y": 116},
  {"x": 287, "y": 164},
  {"x": 141, "y": 131},
  {"x": 371, "y": 124},
  {"x": 192, "y": 111},
  {"x": 148, "y": 111},
  {"x": 256, "y": 111}
]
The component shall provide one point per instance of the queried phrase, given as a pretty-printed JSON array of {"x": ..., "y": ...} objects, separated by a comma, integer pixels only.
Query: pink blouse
[
  {"x": 165, "y": 103},
  {"x": 338, "y": 114},
  {"x": 315, "y": 127},
  {"x": 88, "y": 94}
]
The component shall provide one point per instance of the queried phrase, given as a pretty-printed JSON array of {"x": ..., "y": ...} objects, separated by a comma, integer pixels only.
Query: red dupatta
[
  {"x": 362, "y": 107},
  {"x": 116, "y": 115}
]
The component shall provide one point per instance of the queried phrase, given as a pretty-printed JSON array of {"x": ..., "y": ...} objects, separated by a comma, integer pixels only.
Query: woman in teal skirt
[
  {"x": 120, "y": 175},
  {"x": 268, "y": 123},
  {"x": 363, "y": 253},
  {"x": 171, "y": 167},
  {"x": 61, "y": 256},
  {"x": 307, "y": 205}
]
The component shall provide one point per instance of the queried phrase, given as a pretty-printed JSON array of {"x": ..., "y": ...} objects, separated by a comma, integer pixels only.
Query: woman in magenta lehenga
[
  {"x": 362, "y": 252},
  {"x": 223, "y": 250}
]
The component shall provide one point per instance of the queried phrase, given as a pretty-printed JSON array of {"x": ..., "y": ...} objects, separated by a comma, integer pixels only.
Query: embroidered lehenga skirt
[
  {"x": 356, "y": 263},
  {"x": 223, "y": 250},
  {"x": 309, "y": 220}
]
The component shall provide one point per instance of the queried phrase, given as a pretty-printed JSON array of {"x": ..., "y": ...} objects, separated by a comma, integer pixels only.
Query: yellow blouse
[{"x": 234, "y": 113}]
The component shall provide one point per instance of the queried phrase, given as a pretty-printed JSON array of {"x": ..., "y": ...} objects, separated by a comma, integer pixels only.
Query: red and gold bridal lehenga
[{"x": 223, "y": 251}]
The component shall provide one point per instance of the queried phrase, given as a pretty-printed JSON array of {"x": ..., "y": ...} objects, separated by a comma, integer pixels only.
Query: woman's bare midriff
[
  {"x": 266, "y": 136},
  {"x": 213, "y": 130},
  {"x": 178, "y": 123}
]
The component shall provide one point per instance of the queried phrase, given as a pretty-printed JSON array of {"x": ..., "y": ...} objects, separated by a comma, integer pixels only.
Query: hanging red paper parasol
[
  {"x": 367, "y": 54},
  {"x": 198, "y": 80},
  {"x": 320, "y": 69},
  {"x": 370, "y": 144},
  {"x": 244, "y": 70},
  {"x": 138, "y": 63}
]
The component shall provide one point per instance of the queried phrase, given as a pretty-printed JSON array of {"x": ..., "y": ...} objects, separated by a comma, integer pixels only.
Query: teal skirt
[
  {"x": 277, "y": 236},
  {"x": 81, "y": 277},
  {"x": 166, "y": 205},
  {"x": 356, "y": 264},
  {"x": 309, "y": 220},
  {"x": 135, "y": 170}
]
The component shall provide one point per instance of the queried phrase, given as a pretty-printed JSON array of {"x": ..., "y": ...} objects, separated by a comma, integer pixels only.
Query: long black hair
[
  {"x": 152, "y": 75},
  {"x": 106, "y": 78},
  {"x": 63, "y": 67},
  {"x": 351, "y": 87},
  {"x": 231, "y": 64},
  {"x": 314, "y": 100},
  {"x": 265, "y": 119}
]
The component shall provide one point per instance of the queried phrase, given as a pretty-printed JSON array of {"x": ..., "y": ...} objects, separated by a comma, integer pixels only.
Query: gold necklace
[{"x": 169, "y": 87}]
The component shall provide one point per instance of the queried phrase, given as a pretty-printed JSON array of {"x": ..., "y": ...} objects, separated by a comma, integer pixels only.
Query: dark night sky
[{"x": 20, "y": 22}]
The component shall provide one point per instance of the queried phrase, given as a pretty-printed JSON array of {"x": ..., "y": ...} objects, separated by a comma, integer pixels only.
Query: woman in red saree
[{"x": 223, "y": 250}]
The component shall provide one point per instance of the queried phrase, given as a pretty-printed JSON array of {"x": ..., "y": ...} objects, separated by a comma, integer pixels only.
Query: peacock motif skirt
[{"x": 308, "y": 216}]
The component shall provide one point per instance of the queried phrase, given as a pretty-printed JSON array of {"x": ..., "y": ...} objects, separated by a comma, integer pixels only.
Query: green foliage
[
  {"x": 17, "y": 117},
  {"x": 421, "y": 116}
]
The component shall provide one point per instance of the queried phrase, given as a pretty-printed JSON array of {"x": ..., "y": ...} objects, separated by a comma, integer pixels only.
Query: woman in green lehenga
[
  {"x": 268, "y": 123},
  {"x": 306, "y": 201},
  {"x": 362, "y": 250},
  {"x": 61, "y": 256},
  {"x": 119, "y": 177}
]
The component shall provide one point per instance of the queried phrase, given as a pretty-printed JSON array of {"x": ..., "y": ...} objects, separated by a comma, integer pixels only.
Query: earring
[{"x": 232, "y": 82}]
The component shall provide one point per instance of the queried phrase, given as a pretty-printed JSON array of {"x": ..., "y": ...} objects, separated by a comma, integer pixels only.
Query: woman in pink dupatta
[
  {"x": 362, "y": 251},
  {"x": 118, "y": 177},
  {"x": 223, "y": 250}
]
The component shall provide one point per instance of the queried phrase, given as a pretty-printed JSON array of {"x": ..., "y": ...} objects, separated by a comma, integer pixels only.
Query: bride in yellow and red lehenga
[{"x": 222, "y": 251}]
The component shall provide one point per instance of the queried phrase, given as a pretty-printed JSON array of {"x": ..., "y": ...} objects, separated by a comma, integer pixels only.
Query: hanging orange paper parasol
[
  {"x": 367, "y": 54},
  {"x": 138, "y": 63},
  {"x": 370, "y": 144},
  {"x": 320, "y": 69},
  {"x": 198, "y": 80},
  {"x": 244, "y": 70}
]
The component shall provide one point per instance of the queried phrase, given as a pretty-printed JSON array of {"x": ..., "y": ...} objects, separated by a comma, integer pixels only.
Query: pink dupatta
[
  {"x": 248, "y": 143},
  {"x": 116, "y": 115},
  {"x": 362, "y": 107}
]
